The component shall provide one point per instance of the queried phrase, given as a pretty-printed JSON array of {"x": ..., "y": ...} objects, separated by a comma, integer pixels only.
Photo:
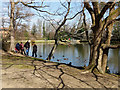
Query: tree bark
[
  {"x": 52, "y": 51},
  {"x": 100, "y": 61},
  {"x": 108, "y": 37},
  {"x": 104, "y": 60},
  {"x": 12, "y": 39},
  {"x": 106, "y": 50},
  {"x": 95, "y": 52}
]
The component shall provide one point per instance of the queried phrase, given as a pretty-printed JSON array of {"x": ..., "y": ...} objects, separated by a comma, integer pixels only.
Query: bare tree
[
  {"x": 59, "y": 27},
  {"x": 12, "y": 46},
  {"x": 99, "y": 49},
  {"x": 17, "y": 15}
]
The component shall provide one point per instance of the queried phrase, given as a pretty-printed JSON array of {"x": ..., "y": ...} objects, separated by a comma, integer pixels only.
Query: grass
[
  {"x": 24, "y": 66},
  {"x": 17, "y": 61},
  {"x": 21, "y": 62}
]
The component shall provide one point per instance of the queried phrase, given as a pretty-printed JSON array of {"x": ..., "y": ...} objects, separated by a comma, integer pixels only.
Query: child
[
  {"x": 27, "y": 51},
  {"x": 16, "y": 50}
]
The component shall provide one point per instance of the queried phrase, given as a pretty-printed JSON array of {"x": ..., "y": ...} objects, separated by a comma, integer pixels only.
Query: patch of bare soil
[{"x": 26, "y": 72}]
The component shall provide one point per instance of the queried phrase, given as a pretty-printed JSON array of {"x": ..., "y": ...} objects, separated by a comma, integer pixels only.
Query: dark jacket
[
  {"x": 35, "y": 48},
  {"x": 27, "y": 45},
  {"x": 18, "y": 46}
]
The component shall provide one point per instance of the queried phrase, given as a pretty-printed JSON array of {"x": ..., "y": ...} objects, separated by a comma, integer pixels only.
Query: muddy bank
[{"x": 26, "y": 72}]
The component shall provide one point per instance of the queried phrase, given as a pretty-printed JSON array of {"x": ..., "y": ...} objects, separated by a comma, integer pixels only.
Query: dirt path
[{"x": 25, "y": 72}]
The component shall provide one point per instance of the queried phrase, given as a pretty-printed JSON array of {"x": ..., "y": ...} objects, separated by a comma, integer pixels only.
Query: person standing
[
  {"x": 34, "y": 50},
  {"x": 27, "y": 46}
]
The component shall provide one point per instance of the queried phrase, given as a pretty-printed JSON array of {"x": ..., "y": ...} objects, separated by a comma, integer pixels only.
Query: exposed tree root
[{"x": 93, "y": 71}]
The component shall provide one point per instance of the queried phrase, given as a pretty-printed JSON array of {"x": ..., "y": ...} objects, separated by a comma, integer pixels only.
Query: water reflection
[
  {"x": 78, "y": 55},
  {"x": 114, "y": 55}
]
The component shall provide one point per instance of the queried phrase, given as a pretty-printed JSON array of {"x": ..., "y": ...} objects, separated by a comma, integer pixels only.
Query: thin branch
[
  {"x": 47, "y": 20},
  {"x": 63, "y": 22},
  {"x": 112, "y": 21},
  {"x": 34, "y": 7},
  {"x": 75, "y": 15},
  {"x": 32, "y": 2},
  {"x": 105, "y": 8},
  {"x": 63, "y": 4}
]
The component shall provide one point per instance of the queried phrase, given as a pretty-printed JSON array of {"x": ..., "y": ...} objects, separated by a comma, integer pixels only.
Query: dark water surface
[{"x": 78, "y": 55}]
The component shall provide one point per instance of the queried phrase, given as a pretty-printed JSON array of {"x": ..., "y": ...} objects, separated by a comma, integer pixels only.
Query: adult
[
  {"x": 34, "y": 50},
  {"x": 27, "y": 46}
]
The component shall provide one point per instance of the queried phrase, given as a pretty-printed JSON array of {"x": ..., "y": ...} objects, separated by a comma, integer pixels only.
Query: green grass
[{"x": 24, "y": 66}]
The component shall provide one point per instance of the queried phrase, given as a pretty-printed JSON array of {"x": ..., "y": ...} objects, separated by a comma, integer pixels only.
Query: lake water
[{"x": 77, "y": 54}]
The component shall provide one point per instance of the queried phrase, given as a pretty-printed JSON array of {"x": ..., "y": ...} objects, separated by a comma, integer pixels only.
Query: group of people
[{"x": 24, "y": 49}]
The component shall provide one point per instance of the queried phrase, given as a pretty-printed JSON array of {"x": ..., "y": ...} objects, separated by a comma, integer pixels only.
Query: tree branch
[
  {"x": 114, "y": 46},
  {"x": 96, "y": 8},
  {"x": 112, "y": 21},
  {"x": 75, "y": 15},
  {"x": 86, "y": 31},
  {"x": 36, "y": 8},
  {"x": 105, "y": 8},
  {"x": 63, "y": 22},
  {"x": 63, "y": 4},
  {"x": 110, "y": 46},
  {"x": 90, "y": 10},
  {"x": 108, "y": 20}
]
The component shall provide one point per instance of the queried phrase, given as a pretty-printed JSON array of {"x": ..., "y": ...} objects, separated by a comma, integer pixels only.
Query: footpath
[{"x": 25, "y": 72}]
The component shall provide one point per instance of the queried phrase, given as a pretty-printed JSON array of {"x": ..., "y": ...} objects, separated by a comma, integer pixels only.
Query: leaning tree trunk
[
  {"x": 12, "y": 39},
  {"x": 53, "y": 50}
]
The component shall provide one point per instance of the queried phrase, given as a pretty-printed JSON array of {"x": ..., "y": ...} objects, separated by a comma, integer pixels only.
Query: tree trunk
[
  {"x": 52, "y": 52},
  {"x": 12, "y": 44},
  {"x": 104, "y": 60},
  {"x": 95, "y": 50},
  {"x": 99, "y": 66},
  {"x": 106, "y": 50},
  {"x": 12, "y": 39}
]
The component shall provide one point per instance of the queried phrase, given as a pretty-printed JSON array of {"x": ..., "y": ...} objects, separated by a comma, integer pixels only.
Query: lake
[{"x": 77, "y": 54}]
